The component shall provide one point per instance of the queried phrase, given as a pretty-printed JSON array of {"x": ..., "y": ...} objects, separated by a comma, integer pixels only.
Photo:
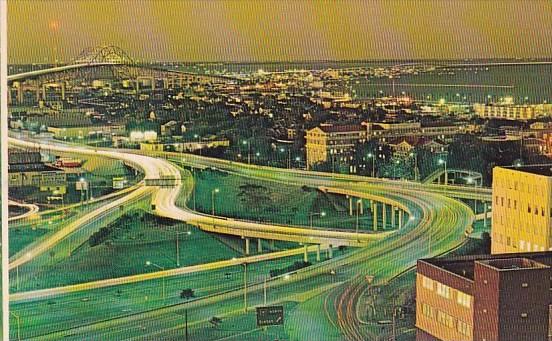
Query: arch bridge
[{"x": 105, "y": 62}]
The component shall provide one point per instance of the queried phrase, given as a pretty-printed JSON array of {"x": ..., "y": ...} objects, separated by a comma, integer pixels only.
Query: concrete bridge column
[
  {"x": 330, "y": 251},
  {"x": 259, "y": 245},
  {"x": 401, "y": 213},
  {"x": 384, "y": 215},
  {"x": 375, "y": 215},
  {"x": 247, "y": 246},
  {"x": 393, "y": 213},
  {"x": 485, "y": 208},
  {"x": 152, "y": 83},
  {"x": 44, "y": 91},
  {"x": 305, "y": 253},
  {"x": 272, "y": 244},
  {"x": 137, "y": 86},
  {"x": 19, "y": 95},
  {"x": 37, "y": 94},
  {"x": 63, "y": 91},
  {"x": 350, "y": 205},
  {"x": 318, "y": 252},
  {"x": 361, "y": 207}
]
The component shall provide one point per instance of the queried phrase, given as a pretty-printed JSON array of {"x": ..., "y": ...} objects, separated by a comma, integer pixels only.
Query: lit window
[
  {"x": 463, "y": 299},
  {"x": 427, "y": 283},
  {"x": 463, "y": 328},
  {"x": 443, "y": 290}
]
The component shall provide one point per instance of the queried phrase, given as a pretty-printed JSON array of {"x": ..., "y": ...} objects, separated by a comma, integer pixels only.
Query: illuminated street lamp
[
  {"x": 311, "y": 215},
  {"x": 148, "y": 263},
  {"x": 18, "y": 321},
  {"x": 444, "y": 162},
  {"x": 397, "y": 162},
  {"x": 176, "y": 233},
  {"x": 245, "y": 142},
  {"x": 213, "y": 192},
  {"x": 416, "y": 170},
  {"x": 289, "y": 156},
  {"x": 373, "y": 157},
  {"x": 358, "y": 207}
]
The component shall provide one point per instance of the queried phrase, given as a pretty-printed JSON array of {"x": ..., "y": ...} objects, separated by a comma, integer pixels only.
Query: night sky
[{"x": 283, "y": 30}]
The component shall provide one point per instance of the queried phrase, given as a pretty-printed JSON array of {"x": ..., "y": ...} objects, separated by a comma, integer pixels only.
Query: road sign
[{"x": 270, "y": 316}]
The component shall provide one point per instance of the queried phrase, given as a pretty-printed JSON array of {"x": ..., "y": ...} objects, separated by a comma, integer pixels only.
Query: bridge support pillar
[
  {"x": 384, "y": 215},
  {"x": 318, "y": 252},
  {"x": 361, "y": 209},
  {"x": 19, "y": 95},
  {"x": 330, "y": 251},
  {"x": 272, "y": 244},
  {"x": 393, "y": 213},
  {"x": 247, "y": 246},
  {"x": 259, "y": 245},
  {"x": 375, "y": 215},
  {"x": 485, "y": 208},
  {"x": 350, "y": 205},
  {"x": 305, "y": 253},
  {"x": 401, "y": 214}
]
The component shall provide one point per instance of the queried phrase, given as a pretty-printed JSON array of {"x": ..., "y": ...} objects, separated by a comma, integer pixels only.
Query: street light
[
  {"x": 244, "y": 286},
  {"x": 177, "y": 244},
  {"x": 148, "y": 263},
  {"x": 311, "y": 215},
  {"x": 245, "y": 142},
  {"x": 18, "y": 321},
  {"x": 416, "y": 170},
  {"x": 359, "y": 205},
  {"x": 216, "y": 190},
  {"x": 196, "y": 136},
  {"x": 373, "y": 157},
  {"x": 444, "y": 162},
  {"x": 395, "y": 310},
  {"x": 289, "y": 156}
]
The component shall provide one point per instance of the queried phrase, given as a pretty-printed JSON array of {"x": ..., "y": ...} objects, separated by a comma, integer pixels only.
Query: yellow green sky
[{"x": 283, "y": 30}]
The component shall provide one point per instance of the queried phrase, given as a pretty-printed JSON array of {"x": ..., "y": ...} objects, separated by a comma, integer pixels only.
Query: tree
[
  {"x": 187, "y": 294},
  {"x": 486, "y": 237}
]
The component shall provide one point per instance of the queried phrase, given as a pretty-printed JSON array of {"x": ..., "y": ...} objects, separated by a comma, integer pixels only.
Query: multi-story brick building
[
  {"x": 512, "y": 111},
  {"x": 522, "y": 209},
  {"x": 332, "y": 142},
  {"x": 484, "y": 298}
]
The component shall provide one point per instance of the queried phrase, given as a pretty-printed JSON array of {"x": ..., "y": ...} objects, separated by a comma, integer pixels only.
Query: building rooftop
[
  {"x": 341, "y": 128},
  {"x": 513, "y": 264},
  {"x": 540, "y": 169},
  {"x": 464, "y": 265}
]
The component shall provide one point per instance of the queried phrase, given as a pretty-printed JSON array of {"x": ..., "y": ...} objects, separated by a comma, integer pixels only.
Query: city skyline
[{"x": 246, "y": 31}]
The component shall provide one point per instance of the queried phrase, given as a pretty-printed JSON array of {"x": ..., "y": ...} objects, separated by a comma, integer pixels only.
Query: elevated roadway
[
  {"x": 164, "y": 200},
  {"x": 31, "y": 209}
]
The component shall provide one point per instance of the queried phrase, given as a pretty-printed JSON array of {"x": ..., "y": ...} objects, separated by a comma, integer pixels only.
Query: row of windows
[
  {"x": 519, "y": 186},
  {"x": 446, "y": 292},
  {"x": 446, "y": 319},
  {"x": 514, "y": 204},
  {"x": 523, "y": 245}
]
